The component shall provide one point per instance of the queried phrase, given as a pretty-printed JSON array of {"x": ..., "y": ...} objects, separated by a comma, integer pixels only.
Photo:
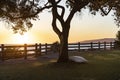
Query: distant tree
[
  {"x": 19, "y": 13},
  {"x": 117, "y": 41}
]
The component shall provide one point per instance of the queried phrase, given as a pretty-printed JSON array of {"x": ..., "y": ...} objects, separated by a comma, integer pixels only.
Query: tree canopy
[{"x": 20, "y": 12}]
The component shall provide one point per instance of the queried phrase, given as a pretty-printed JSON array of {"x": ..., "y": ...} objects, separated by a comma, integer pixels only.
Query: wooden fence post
[
  {"x": 91, "y": 46},
  {"x": 2, "y": 52},
  {"x": 40, "y": 49},
  {"x": 36, "y": 49},
  {"x": 104, "y": 45},
  {"x": 25, "y": 51},
  {"x": 99, "y": 45},
  {"x": 45, "y": 48},
  {"x": 110, "y": 45},
  {"x": 79, "y": 47}
]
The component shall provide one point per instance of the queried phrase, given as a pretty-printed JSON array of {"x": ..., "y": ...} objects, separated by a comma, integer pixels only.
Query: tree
[
  {"x": 20, "y": 13},
  {"x": 117, "y": 41}
]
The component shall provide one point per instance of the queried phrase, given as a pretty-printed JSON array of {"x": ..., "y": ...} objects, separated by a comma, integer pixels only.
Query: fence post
[
  {"x": 78, "y": 46},
  {"x": 110, "y": 45},
  {"x": 91, "y": 45},
  {"x": 25, "y": 51},
  {"x": 99, "y": 45},
  {"x": 36, "y": 49},
  {"x": 2, "y": 52},
  {"x": 104, "y": 45},
  {"x": 45, "y": 48},
  {"x": 40, "y": 49}
]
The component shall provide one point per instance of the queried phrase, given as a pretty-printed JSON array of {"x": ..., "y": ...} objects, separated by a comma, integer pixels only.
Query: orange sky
[{"x": 83, "y": 27}]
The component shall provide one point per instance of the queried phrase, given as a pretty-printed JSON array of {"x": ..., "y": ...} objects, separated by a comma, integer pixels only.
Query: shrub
[
  {"x": 55, "y": 47},
  {"x": 11, "y": 53}
]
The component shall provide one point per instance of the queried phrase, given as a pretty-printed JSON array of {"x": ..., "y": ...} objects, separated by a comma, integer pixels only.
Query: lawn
[{"x": 102, "y": 65}]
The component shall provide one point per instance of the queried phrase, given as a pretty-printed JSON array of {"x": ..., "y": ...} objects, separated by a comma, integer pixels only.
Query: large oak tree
[{"x": 19, "y": 13}]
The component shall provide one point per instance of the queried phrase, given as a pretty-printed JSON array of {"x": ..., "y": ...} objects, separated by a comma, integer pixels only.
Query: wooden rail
[
  {"x": 90, "y": 46},
  {"x": 41, "y": 49},
  {"x": 24, "y": 50}
]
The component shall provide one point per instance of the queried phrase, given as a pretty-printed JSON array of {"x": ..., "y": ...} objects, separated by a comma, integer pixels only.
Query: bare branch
[
  {"x": 78, "y": 5},
  {"x": 73, "y": 11},
  {"x": 97, "y": 4},
  {"x": 105, "y": 12},
  {"x": 55, "y": 28},
  {"x": 71, "y": 1},
  {"x": 55, "y": 17},
  {"x": 63, "y": 10},
  {"x": 55, "y": 13}
]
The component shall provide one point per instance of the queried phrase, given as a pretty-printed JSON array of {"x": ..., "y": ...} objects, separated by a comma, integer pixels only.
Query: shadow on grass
[{"x": 96, "y": 69}]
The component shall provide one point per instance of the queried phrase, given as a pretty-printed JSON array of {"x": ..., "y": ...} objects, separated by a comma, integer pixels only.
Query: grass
[{"x": 102, "y": 65}]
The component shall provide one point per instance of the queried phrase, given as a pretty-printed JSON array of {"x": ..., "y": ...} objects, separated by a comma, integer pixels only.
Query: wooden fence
[
  {"x": 40, "y": 49},
  {"x": 90, "y": 46},
  {"x": 24, "y": 50}
]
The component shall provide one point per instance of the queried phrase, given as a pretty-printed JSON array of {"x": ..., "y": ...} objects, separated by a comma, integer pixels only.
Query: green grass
[{"x": 102, "y": 65}]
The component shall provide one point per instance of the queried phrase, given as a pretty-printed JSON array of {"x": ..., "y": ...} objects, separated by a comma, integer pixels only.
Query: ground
[
  {"x": 102, "y": 65},
  {"x": 30, "y": 59}
]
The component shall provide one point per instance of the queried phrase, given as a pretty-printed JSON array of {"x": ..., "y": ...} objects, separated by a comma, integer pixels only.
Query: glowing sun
[{"x": 22, "y": 39}]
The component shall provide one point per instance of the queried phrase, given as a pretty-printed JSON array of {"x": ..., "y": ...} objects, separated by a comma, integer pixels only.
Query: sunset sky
[{"x": 83, "y": 27}]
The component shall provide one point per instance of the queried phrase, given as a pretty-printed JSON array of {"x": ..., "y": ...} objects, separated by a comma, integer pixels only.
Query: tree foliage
[{"x": 20, "y": 12}]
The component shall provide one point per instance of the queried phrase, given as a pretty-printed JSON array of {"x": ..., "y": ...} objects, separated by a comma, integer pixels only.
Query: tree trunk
[
  {"x": 63, "y": 55},
  {"x": 63, "y": 35}
]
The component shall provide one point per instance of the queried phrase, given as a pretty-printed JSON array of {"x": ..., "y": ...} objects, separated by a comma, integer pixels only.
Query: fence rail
[
  {"x": 90, "y": 46},
  {"x": 40, "y": 49}
]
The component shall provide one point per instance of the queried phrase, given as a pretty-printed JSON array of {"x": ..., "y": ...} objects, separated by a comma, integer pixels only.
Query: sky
[{"x": 84, "y": 26}]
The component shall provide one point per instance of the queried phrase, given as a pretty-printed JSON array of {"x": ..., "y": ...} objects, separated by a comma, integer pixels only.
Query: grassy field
[{"x": 102, "y": 65}]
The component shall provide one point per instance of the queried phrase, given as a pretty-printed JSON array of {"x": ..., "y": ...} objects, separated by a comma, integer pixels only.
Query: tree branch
[
  {"x": 55, "y": 28},
  {"x": 55, "y": 17},
  {"x": 33, "y": 15},
  {"x": 78, "y": 5},
  {"x": 101, "y": 8},
  {"x": 63, "y": 10},
  {"x": 38, "y": 11},
  {"x": 105, "y": 12},
  {"x": 58, "y": 1},
  {"x": 71, "y": 1},
  {"x": 73, "y": 11}
]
